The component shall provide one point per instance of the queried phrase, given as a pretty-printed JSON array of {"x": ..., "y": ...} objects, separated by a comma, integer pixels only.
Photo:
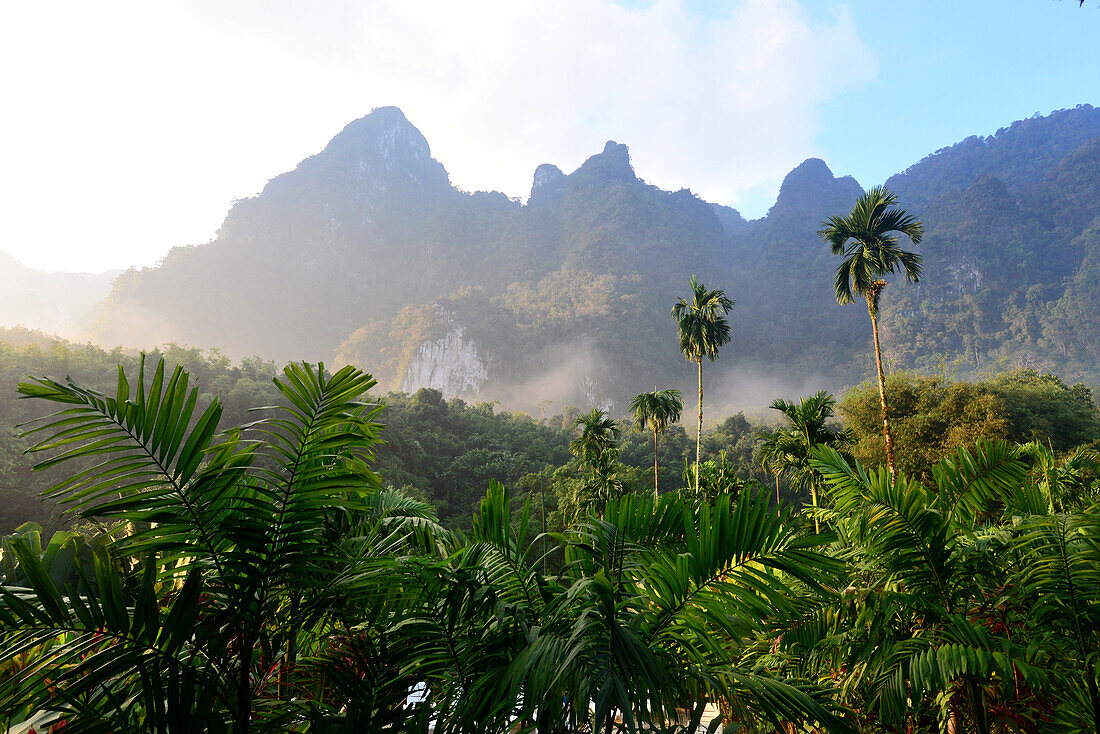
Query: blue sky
[
  {"x": 952, "y": 69},
  {"x": 947, "y": 70},
  {"x": 131, "y": 126}
]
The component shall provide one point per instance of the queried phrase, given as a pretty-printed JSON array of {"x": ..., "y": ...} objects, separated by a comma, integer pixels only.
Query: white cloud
[{"x": 131, "y": 125}]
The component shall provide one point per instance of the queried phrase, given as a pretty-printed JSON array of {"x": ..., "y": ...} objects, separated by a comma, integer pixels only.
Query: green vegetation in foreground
[{"x": 261, "y": 579}]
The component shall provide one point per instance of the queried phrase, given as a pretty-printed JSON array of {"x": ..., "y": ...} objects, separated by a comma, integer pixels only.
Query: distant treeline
[{"x": 447, "y": 450}]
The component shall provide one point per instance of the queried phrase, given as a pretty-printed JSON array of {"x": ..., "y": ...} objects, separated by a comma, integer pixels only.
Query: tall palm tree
[
  {"x": 599, "y": 435},
  {"x": 703, "y": 330},
  {"x": 867, "y": 239},
  {"x": 786, "y": 450},
  {"x": 655, "y": 411}
]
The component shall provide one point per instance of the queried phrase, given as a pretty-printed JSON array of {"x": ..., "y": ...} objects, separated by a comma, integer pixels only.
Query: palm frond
[
  {"x": 865, "y": 238},
  {"x": 147, "y": 453},
  {"x": 1061, "y": 572},
  {"x": 703, "y": 327},
  {"x": 972, "y": 482},
  {"x": 123, "y": 652},
  {"x": 897, "y": 518}
]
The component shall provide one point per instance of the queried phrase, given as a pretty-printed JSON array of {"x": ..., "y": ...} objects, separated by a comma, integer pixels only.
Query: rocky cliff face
[{"x": 452, "y": 364}]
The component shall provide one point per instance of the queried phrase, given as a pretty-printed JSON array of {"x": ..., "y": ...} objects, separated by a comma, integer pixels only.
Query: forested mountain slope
[
  {"x": 366, "y": 252},
  {"x": 1009, "y": 275},
  {"x": 1020, "y": 155}
]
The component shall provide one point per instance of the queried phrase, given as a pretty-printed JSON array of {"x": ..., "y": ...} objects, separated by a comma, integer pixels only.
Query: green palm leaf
[
  {"x": 145, "y": 456},
  {"x": 897, "y": 518},
  {"x": 117, "y": 650},
  {"x": 971, "y": 482}
]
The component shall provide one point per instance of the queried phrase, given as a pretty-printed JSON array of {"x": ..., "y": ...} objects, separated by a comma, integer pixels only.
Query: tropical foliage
[
  {"x": 969, "y": 605},
  {"x": 260, "y": 579},
  {"x": 263, "y": 579},
  {"x": 440, "y": 450},
  {"x": 786, "y": 450},
  {"x": 931, "y": 416},
  {"x": 222, "y": 559}
]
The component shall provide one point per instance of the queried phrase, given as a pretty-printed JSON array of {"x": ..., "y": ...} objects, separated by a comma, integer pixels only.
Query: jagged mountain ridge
[{"x": 366, "y": 252}]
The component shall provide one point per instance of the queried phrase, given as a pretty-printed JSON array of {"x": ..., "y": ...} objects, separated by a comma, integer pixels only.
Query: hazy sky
[{"x": 128, "y": 127}]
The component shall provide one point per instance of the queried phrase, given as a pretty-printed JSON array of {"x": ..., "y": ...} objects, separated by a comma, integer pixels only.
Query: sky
[{"x": 129, "y": 126}]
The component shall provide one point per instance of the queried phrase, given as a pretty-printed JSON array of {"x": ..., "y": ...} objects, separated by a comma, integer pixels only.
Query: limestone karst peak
[
  {"x": 380, "y": 146},
  {"x": 812, "y": 188},
  {"x": 809, "y": 174},
  {"x": 384, "y": 134},
  {"x": 547, "y": 182},
  {"x": 611, "y": 164}
]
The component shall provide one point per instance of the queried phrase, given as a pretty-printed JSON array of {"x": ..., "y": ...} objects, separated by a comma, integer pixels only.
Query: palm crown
[
  {"x": 868, "y": 241},
  {"x": 655, "y": 411},
  {"x": 702, "y": 322},
  {"x": 599, "y": 434}
]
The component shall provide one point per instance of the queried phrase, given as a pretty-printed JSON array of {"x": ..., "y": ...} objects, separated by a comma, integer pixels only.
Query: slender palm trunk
[
  {"x": 882, "y": 395},
  {"x": 813, "y": 499},
  {"x": 977, "y": 705},
  {"x": 699, "y": 433},
  {"x": 542, "y": 493},
  {"x": 654, "y": 464},
  {"x": 291, "y": 649},
  {"x": 697, "y": 716},
  {"x": 954, "y": 719}
]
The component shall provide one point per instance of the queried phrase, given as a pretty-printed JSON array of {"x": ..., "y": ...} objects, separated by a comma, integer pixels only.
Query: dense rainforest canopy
[
  {"x": 264, "y": 578},
  {"x": 445, "y": 451}
]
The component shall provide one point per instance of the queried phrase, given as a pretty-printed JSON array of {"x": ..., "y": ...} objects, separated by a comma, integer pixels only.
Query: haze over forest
[
  {"x": 597, "y": 450},
  {"x": 366, "y": 254}
]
